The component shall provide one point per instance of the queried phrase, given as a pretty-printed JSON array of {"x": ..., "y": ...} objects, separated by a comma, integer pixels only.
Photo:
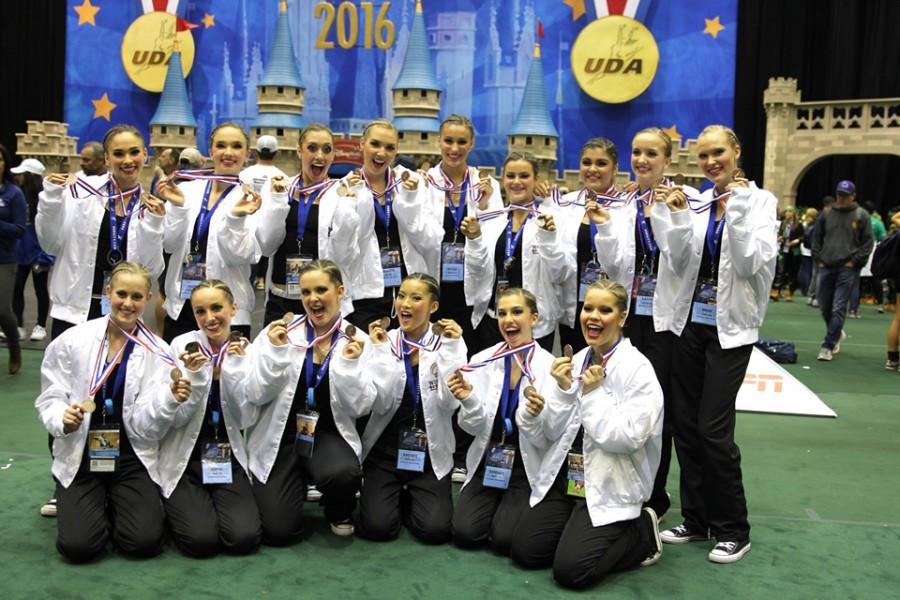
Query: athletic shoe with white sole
[
  {"x": 313, "y": 494},
  {"x": 892, "y": 365},
  {"x": 649, "y": 515},
  {"x": 459, "y": 475},
  {"x": 49, "y": 509},
  {"x": 342, "y": 528},
  {"x": 682, "y": 534},
  {"x": 729, "y": 551},
  {"x": 38, "y": 334},
  {"x": 837, "y": 347},
  {"x": 825, "y": 354}
]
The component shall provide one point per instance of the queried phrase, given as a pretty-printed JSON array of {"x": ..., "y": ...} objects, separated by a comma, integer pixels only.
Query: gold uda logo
[
  {"x": 148, "y": 45},
  {"x": 614, "y": 59}
]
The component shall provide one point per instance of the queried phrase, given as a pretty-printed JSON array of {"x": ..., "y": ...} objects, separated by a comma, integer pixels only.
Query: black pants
[
  {"x": 586, "y": 554},
  {"x": 186, "y": 323},
  {"x": 39, "y": 282},
  {"x": 207, "y": 518},
  {"x": 124, "y": 506},
  {"x": 276, "y": 307},
  {"x": 391, "y": 497},
  {"x": 657, "y": 347},
  {"x": 541, "y": 526},
  {"x": 60, "y": 326},
  {"x": 705, "y": 385},
  {"x": 333, "y": 468},
  {"x": 371, "y": 309},
  {"x": 486, "y": 514}
]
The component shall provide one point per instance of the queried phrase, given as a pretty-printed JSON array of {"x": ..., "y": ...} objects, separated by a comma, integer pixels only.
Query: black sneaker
[
  {"x": 729, "y": 551},
  {"x": 682, "y": 534},
  {"x": 653, "y": 526}
]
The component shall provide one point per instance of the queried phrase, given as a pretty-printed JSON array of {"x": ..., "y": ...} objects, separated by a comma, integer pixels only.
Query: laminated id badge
[
  {"x": 591, "y": 271},
  {"x": 703, "y": 310},
  {"x": 575, "y": 477},
  {"x": 390, "y": 266},
  {"x": 103, "y": 448},
  {"x": 193, "y": 271},
  {"x": 105, "y": 304},
  {"x": 216, "y": 462},
  {"x": 306, "y": 432},
  {"x": 292, "y": 267},
  {"x": 498, "y": 466},
  {"x": 642, "y": 294},
  {"x": 453, "y": 258},
  {"x": 412, "y": 446}
]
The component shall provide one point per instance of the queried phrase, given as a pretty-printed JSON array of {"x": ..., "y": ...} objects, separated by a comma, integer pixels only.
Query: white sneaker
[
  {"x": 342, "y": 528},
  {"x": 313, "y": 494},
  {"x": 656, "y": 553},
  {"x": 837, "y": 346},
  {"x": 825, "y": 354},
  {"x": 38, "y": 334},
  {"x": 459, "y": 475},
  {"x": 21, "y": 333},
  {"x": 49, "y": 509},
  {"x": 729, "y": 552}
]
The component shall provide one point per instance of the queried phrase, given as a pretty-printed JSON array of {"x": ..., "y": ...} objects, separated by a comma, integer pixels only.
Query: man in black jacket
[{"x": 842, "y": 243}]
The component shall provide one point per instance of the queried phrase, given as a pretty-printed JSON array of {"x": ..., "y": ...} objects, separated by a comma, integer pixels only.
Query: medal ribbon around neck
[
  {"x": 504, "y": 351},
  {"x": 148, "y": 340},
  {"x": 589, "y": 357},
  {"x": 301, "y": 320},
  {"x": 206, "y": 175},
  {"x": 117, "y": 193},
  {"x": 531, "y": 207},
  {"x": 215, "y": 358},
  {"x": 392, "y": 182},
  {"x": 404, "y": 346},
  {"x": 297, "y": 190}
]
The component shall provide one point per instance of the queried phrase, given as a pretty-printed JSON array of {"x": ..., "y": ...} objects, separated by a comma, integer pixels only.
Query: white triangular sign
[{"x": 769, "y": 388}]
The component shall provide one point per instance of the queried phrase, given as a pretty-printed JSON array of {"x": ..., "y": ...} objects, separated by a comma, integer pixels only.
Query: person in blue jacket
[{"x": 12, "y": 228}]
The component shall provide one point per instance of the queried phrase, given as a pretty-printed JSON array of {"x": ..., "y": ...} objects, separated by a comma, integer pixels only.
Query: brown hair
[
  {"x": 215, "y": 284},
  {"x": 131, "y": 268},
  {"x": 666, "y": 140},
  {"x": 430, "y": 282},
  {"x": 455, "y": 119},
  {"x": 237, "y": 126},
  {"x": 526, "y": 156},
  {"x": 616, "y": 289},
  {"x": 116, "y": 130},
  {"x": 328, "y": 267},
  {"x": 530, "y": 299},
  {"x": 601, "y": 143},
  {"x": 314, "y": 127}
]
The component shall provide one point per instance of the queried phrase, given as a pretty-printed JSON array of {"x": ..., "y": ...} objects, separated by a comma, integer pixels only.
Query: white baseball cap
[
  {"x": 267, "y": 143},
  {"x": 29, "y": 165}
]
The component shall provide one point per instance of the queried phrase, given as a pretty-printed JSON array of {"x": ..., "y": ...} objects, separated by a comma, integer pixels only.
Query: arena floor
[{"x": 820, "y": 493}]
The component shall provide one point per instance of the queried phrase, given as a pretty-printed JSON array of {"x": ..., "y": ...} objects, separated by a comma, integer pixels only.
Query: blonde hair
[
  {"x": 214, "y": 284},
  {"x": 619, "y": 293},
  {"x": 459, "y": 120},
  {"x": 662, "y": 135},
  {"x": 728, "y": 131},
  {"x": 131, "y": 268},
  {"x": 530, "y": 299},
  {"x": 386, "y": 123},
  {"x": 315, "y": 127}
]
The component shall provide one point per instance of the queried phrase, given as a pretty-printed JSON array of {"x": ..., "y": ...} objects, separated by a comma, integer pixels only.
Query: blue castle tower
[
  {"x": 417, "y": 95},
  {"x": 279, "y": 96},
  {"x": 173, "y": 124},
  {"x": 533, "y": 130}
]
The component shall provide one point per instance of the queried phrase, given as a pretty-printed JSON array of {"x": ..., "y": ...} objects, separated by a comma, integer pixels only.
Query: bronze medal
[
  {"x": 88, "y": 405},
  {"x": 385, "y": 323},
  {"x": 287, "y": 318},
  {"x": 350, "y": 331},
  {"x": 176, "y": 374},
  {"x": 568, "y": 352},
  {"x": 679, "y": 179},
  {"x": 437, "y": 329},
  {"x": 192, "y": 347}
]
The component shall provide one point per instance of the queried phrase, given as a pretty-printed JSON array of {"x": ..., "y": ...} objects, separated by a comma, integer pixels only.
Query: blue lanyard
[
  {"x": 120, "y": 380},
  {"x": 593, "y": 245},
  {"x": 384, "y": 212},
  {"x": 412, "y": 384},
  {"x": 460, "y": 210},
  {"x": 117, "y": 234},
  {"x": 508, "y": 406},
  {"x": 303, "y": 209},
  {"x": 311, "y": 384},
  {"x": 206, "y": 215},
  {"x": 714, "y": 234},
  {"x": 513, "y": 242},
  {"x": 214, "y": 405},
  {"x": 647, "y": 241}
]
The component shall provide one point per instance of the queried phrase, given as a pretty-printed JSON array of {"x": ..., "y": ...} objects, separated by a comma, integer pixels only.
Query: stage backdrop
[{"x": 481, "y": 50}]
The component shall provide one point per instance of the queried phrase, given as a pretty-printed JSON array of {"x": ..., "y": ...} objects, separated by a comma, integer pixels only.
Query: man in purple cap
[{"x": 842, "y": 242}]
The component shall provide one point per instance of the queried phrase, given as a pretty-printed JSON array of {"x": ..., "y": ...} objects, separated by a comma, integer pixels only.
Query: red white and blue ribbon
[
  {"x": 148, "y": 340},
  {"x": 216, "y": 356},
  {"x": 506, "y": 350},
  {"x": 297, "y": 190},
  {"x": 392, "y": 182},
  {"x": 472, "y": 191},
  {"x": 117, "y": 192},
  {"x": 301, "y": 320},
  {"x": 404, "y": 346},
  {"x": 608, "y": 198},
  {"x": 531, "y": 207},
  {"x": 206, "y": 175},
  {"x": 604, "y": 358},
  {"x": 103, "y": 369},
  {"x": 636, "y": 9}
]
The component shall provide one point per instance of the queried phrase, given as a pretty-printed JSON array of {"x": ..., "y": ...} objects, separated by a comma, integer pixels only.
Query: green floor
[{"x": 820, "y": 493}]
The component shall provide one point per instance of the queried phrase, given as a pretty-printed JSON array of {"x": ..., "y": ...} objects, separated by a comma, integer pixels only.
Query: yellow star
[
  {"x": 208, "y": 20},
  {"x": 86, "y": 13},
  {"x": 672, "y": 132},
  {"x": 577, "y": 7},
  {"x": 103, "y": 107},
  {"x": 713, "y": 27}
]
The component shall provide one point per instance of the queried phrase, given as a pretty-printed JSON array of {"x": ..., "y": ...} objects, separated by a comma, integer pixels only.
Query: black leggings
[{"x": 39, "y": 281}]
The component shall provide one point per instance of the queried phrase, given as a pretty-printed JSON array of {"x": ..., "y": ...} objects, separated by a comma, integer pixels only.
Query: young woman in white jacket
[
  {"x": 202, "y": 461},
  {"x": 311, "y": 382},
  {"x": 208, "y": 233},
  {"x": 607, "y": 405},
  {"x": 93, "y": 223},
  {"x": 92, "y": 376},
  {"x": 522, "y": 252},
  {"x": 723, "y": 250},
  {"x": 408, "y": 442},
  {"x": 597, "y": 168},
  {"x": 394, "y": 231},
  {"x": 500, "y": 394},
  {"x": 299, "y": 221},
  {"x": 635, "y": 257},
  {"x": 456, "y": 191}
]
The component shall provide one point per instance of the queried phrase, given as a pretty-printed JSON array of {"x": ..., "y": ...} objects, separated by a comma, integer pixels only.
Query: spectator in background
[
  {"x": 790, "y": 234},
  {"x": 31, "y": 258},
  {"x": 257, "y": 177},
  {"x": 190, "y": 158},
  {"x": 827, "y": 203},
  {"x": 93, "y": 160},
  {"x": 12, "y": 228},
  {"x": 841, "y": 245},
  {"x": 893, "y": 335},
  {"x": 804, "y": 276},
  {"x": 167, "y": 162}
]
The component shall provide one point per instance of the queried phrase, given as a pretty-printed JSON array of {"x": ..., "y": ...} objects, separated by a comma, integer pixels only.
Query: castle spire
[
  {"x": 173, "y": 124},
  {"x": 533, "y": 130}
]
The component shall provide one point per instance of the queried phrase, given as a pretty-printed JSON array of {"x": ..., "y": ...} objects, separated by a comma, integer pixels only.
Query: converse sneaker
[
  {"x": 459, "y": 475},
  {"x": 837, "y": 346},
  {"x": 653, "y": 524},
  {"x": 825, "y": 354},
  {"x": 342, "y": 528},
  {"x": 854, "y": 314},
  {"x": 892, "y": 365},
  {"x": 682, "y": 534},
  {"x": 49, "y": 509},
  {"x": 729, "y": 551},
  {"x": 313, "y": 494},
  {"x": 38, "y": 334}
]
